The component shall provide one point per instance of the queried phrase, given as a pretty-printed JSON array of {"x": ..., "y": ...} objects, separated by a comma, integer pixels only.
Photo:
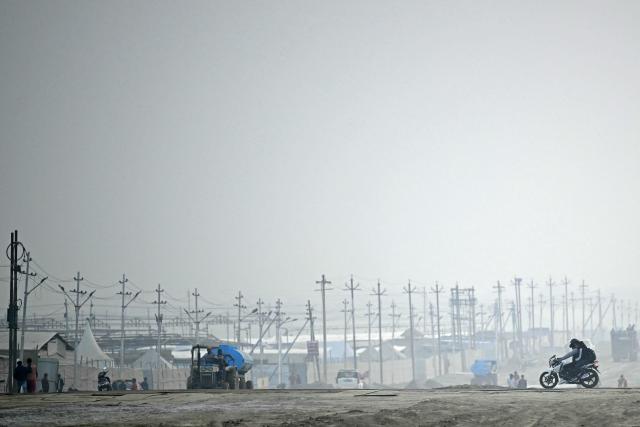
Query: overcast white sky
[{"x": 256, "y": 145}]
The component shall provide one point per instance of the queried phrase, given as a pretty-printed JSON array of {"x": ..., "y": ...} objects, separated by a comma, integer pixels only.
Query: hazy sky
[{"x": 256, "y": 145}]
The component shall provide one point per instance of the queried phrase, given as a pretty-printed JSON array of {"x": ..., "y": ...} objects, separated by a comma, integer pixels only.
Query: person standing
[
  {"x": 622, "y": 382},
  {"x": 44, "y": 384},
  {"x": 522, "y": 383},
  {"x": 20, "y": 375},
  {"x": 134, "y": 384},
  {"x": 32, "y": 376},
  {"x": 59, "y": 384},
  {"x": 144, "y": 385}
]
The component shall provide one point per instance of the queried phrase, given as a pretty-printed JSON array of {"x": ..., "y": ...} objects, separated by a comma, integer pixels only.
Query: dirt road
[{"x": 328, "y": 408}]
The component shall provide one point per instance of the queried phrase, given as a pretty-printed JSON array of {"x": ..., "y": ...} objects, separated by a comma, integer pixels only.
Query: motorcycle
[
  {"x": 587, "y": 376},
  {"x": 104, "y": 382}
]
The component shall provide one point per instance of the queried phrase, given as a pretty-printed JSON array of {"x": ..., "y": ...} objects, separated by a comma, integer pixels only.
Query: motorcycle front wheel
[
  {"x": 589, "y": 379},
  {"x": 549, "y": 379}
]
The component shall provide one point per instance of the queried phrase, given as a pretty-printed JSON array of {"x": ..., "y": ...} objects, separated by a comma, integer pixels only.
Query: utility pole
[
  {"x": 394, "y": 317},
  {"x": 582, "y": 289},
  {"x": 498, "y": 316},
  {"x": 541, "y": 302},
  {"x": 433, "y": 335},
  {"x": 345, "y": 310},
  {"x": 323, "y": 288},
  {"x": 313, "y": 339},
  {"x": 159, "y": 302},
  {"x": 260, "y": 326},
  {"x": 77, "y": 305},
  {"x": 27, "y": 291},
  {"x": 409, "y": 290},
  {"x": 454, "y": 323},
  {"x": 66, "y": 320},
  {"x": 240, "y": 308},
  {"x": 438, "y": 290},
  {"x": 379, "y": 293},
  {"x": 532, "y": 325},
  {"x": 189, "y": 309},
  {"x": 517, "y": 282},
  {"x": 279, "y": 338},
  {"x": 27, "y": 260},
  {"x": 424, "y": 310},
  {"x": 124, "y": 294},
  {"x": 196, "y": 320},
  {"x": 369, "y": 349},
  {"x": 472, "y": 316},
  {"x": 566, "y": 307},
  {"x": 456, "y": 306},
  {"x": 12, "y": 311},
  {"x": 551, "y": 312},
  {"x": 92, "y": 317},
  {"x": 351, "y": 288}
]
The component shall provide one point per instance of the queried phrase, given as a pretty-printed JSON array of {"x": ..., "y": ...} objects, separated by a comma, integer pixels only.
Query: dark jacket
[{"x": 20, "y": 373}]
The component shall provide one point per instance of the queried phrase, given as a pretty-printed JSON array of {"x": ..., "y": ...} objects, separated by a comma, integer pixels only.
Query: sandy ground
[{"x": 448, "y": 407}]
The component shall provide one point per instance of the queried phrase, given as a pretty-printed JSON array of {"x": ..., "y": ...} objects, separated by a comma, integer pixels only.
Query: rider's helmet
[{"x": 574, "y": 343}]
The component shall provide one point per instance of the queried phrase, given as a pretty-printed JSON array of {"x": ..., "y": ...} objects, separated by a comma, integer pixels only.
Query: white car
[{"x": 349, "y": 378}]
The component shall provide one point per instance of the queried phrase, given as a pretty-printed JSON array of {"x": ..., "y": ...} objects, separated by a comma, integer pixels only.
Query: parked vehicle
[
  {"x": 349, "y": 378},
  {"x": 484, "y": 372},
  {"x": 104, "y": 382},
  {"x": 587, "y": 376},
  {"x": 624, "y": 344}
]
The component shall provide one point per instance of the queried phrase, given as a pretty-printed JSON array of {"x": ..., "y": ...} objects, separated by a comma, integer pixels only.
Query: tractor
[
  {"x": 219, "y": 367},
  {"x": 484, "y": 372}
]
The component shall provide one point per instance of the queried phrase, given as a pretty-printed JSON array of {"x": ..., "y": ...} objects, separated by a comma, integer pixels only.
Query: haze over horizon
[{"x": 254, "y": 146}]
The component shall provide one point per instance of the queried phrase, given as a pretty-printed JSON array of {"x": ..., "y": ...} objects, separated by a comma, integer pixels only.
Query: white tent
[
  {"x": 151, "y": 359},
  {"x": 89, "y": 351}
]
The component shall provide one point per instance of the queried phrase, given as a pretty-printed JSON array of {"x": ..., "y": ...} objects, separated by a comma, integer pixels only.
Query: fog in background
[{"x": 256, "y": 145}]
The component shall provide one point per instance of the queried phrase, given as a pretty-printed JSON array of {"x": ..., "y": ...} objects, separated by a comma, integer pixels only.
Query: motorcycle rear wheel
[
  {"x": 549, "y": 380},
  {"x": 589, "y": 379}
]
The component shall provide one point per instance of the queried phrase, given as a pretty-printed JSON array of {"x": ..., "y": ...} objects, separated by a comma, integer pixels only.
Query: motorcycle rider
[
  {"x": 579, "y": 357},
  {"x": 104, "y": 382}
]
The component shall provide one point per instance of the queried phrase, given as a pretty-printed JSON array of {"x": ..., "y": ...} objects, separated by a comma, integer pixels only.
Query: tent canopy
[
  {"x": 88, "y": 349},
  {"x": 151, "y": 359}
]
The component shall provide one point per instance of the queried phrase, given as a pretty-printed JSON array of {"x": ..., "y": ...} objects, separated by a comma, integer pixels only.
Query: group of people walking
[{"x": 26, "y": 378}]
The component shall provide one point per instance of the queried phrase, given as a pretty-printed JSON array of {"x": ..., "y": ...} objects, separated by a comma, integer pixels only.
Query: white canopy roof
[{"x": 88, "y": 349}]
